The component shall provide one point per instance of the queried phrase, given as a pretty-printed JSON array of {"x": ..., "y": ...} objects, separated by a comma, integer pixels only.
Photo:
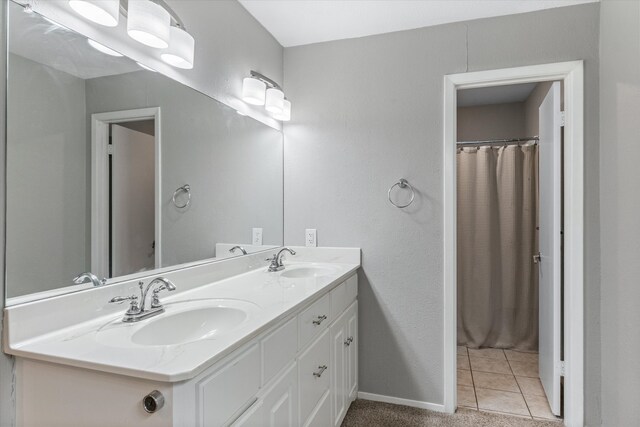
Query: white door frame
[
  {"x": 572, "y": 74},
  {"x": 100, "y": 184}
]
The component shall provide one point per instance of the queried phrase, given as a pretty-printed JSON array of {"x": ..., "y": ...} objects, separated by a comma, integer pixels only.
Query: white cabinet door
[
  {"x": 339, "y": 371},
  {"x": 280, "y": 408},
  {"x": 351, "y": 329},
  {"x": 321, "y": 415},
  {"x": 252, "y": 417}
]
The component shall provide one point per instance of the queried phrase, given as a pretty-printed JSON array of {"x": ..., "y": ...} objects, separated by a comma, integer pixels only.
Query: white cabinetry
[{"x": 301, "y": 372}]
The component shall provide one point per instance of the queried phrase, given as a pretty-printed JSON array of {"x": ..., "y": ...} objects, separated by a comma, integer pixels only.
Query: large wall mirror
[{"x": 117, "y": 170}]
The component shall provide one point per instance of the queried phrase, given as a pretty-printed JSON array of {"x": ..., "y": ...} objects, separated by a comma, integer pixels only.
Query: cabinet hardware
[
  {"x": 321, "y": 370},
  {"x": 320, "y": 320},
  {"x": 348, "y": 341},
  {"x": 153, "y": 402}
]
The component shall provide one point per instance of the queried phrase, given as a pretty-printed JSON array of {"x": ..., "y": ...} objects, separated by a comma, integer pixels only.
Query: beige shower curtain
[{"x": 497, "y": 238}]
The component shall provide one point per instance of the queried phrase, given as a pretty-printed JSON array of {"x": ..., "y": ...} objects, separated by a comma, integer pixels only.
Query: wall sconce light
[
  {"x": 261, "y": 90},
  {"x": 150, "y": 22}
]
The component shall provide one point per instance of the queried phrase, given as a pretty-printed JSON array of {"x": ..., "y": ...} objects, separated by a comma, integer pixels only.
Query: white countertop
[{"x": 272, "y": 296}]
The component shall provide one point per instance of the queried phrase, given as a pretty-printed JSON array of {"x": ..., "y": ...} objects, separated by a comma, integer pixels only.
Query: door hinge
[
  {"x": 562, "y": 118},
  {"x": 562, "y": 368},
  {"x": 109, "y": 149}
]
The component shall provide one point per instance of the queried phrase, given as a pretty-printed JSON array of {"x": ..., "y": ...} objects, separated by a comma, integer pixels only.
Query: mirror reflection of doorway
[{"x": 131, "y": 197}]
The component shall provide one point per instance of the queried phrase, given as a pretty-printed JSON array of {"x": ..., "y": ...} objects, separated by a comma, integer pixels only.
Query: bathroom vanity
[{"x": 254, "y": 348}]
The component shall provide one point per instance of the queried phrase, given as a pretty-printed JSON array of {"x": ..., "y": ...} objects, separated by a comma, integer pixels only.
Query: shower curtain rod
[{"x": 499, "y": 141}]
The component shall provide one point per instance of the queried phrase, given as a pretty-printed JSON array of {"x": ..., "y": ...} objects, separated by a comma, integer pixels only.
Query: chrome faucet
[
  {"x": 136, "y": 313},
  {"x": 233, "y": 249},
  {"x": 276, "y": 260},
  {"x": 88, "y": 277}
]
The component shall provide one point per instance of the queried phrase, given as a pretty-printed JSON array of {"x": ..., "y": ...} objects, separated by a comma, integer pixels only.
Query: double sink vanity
[{"x": 236, "y": 344}]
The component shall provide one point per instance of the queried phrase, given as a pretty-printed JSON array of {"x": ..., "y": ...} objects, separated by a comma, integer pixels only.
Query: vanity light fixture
[
  {"x": 150, "y": 22},
  {"x": 103, "y": 12},
  {"x": 102, "y": 48},
  {"x": 261, "y": 90}
]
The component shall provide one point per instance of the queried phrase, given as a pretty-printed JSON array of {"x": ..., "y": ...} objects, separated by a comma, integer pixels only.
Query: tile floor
[{"x": 502, "y": 381}]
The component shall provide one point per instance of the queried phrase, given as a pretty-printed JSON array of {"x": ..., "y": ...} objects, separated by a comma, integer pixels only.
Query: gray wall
[
  {"x": 369, "y": 111},
  {"x": 532, "y": 106},
  {"x": 232, "y": 163},
  {"x": 495, "y": 121},
  {"x": 620, "y": 204},
  {"x": 46, "y": 177}
]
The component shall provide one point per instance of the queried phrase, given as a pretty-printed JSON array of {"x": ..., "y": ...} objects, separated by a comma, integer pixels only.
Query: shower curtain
[{"x": 497, "y": 238}]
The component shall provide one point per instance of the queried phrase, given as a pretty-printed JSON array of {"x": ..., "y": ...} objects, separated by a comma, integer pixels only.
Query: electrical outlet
[
  {"x": 310, "y": 237},
  {"x": 257, "y": 237}
]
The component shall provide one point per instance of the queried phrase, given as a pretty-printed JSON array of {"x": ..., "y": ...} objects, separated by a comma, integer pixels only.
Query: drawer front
[
  {"x": 321, "y": 416},
  {"x": 253, "y": 417},
  {"x": 226, "y": 391},
  {"x": 314, "y": 375},
  {"x": 281, "y": 401},
  {"x": 279, "y": 348},
  {"x": 314, "y": 320},
  {"x": 343, "y": 295}
]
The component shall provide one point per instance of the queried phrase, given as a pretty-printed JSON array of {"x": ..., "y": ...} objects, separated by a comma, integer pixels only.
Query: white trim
[
  {"x": 399, "y": 401},
  {"x": 572, "y": 75},
  {"x": 99, "y": 184}
]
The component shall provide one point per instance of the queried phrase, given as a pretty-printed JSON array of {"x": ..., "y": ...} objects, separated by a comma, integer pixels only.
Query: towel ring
[
  {"x": 403, "y": 183},
  {"x": 187, "y": 189}
]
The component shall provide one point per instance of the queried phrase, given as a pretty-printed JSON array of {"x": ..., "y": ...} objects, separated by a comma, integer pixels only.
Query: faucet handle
[{"x": 133, "y": 307}]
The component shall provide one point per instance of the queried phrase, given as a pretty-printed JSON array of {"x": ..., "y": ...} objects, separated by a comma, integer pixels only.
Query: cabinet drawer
[
  {"x": 226, "y": 391},
  {"x": 314, "y": 373},
  {"x": 313, "y": 320},
  {"x": 279, "y": 348},
  {"x": 343, "y": 295}
]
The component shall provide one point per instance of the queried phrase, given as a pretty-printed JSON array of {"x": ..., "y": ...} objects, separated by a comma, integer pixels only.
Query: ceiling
[
  {"x": 299, "y": 22},
  {"x": 495, "y": 95}
]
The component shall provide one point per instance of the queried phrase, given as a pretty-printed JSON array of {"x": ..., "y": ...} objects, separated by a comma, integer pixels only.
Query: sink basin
[
  {"x": 306, "y": 272},
  {"x": 187, "y": 326},
  {"x": 182, "y": 322}
]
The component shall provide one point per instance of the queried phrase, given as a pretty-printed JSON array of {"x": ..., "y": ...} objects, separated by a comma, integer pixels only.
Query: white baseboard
[{"x": 437, "y": 407}]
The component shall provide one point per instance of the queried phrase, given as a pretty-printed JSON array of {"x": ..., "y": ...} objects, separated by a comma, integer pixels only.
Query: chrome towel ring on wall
[
  {"x": 185, "y": 188},
  {"x": 403, "y": 183}
]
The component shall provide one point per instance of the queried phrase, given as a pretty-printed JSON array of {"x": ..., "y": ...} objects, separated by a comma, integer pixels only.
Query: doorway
[
  {"x": 508, "y": 166},
  {"x": 571, "y": 320},
  {"x": 125, "y": 210}
]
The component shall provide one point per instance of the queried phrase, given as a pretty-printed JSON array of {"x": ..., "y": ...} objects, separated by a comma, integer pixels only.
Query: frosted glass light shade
[
  {"x": 181, "y": 49},
  {"x": 274, "y": 101},
  {"x": 102, "y": 48},
  {"x": 148, "y": 23},
  {"x": 253, "y": 91},
  {"x": 103, "y": 12},
  {"x": 285, "y": 116}
]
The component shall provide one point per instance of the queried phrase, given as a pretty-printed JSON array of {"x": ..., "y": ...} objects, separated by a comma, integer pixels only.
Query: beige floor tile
[
  {"x": 490, "y": 353},
  {"x": 530, "y": 386},
  {"x": 464, "y": 378},
  {"x": 490, "y": 365},
  {"x": 521, "y": 356},
  {"x": 524, "y": 369},
  {"x": 501, "y": 401},
  {"x": 462, "y": 350},
  {"x": 495, "y": 381},
  {"x": 539, "y": 407},
  {"x": 463, "y": 362},
  {"x": 467, "y": 397}
]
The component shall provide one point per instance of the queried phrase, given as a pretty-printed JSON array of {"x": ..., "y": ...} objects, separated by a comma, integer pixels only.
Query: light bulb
[
  {"x": 253, "y": 91},
  {"x": 103, "y": 12},
  {"x": 181, "y": 49},
  {"x": 275, "y": 101},
  {"x": 148, "y": 23}
]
